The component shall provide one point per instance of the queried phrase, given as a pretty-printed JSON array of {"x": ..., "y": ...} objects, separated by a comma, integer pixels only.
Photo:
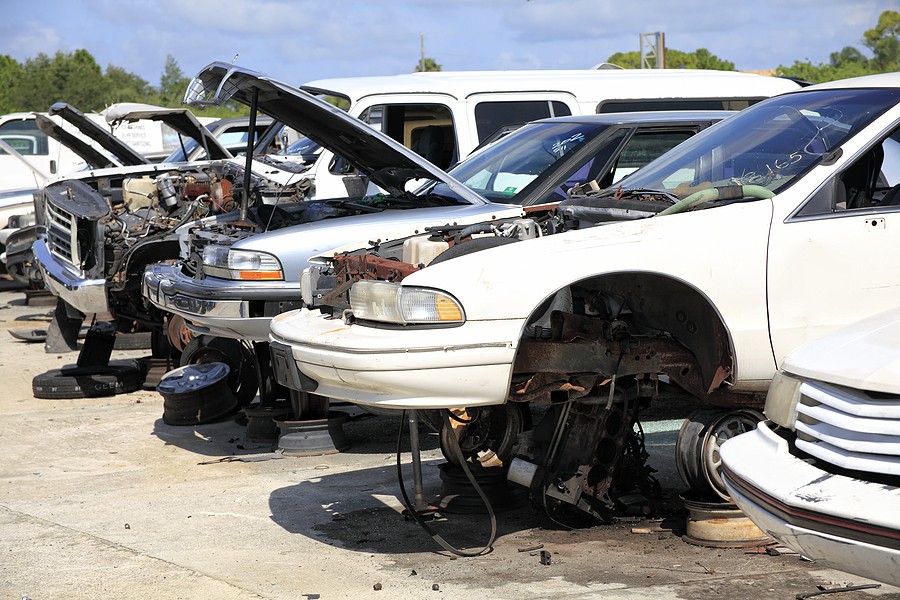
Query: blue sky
[{"x": 302, "y": 40}]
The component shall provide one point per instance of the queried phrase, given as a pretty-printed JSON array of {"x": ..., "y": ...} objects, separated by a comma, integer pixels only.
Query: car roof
[
  {"x": 611, "y": 83},
  {"x": 883, "y": 80}
]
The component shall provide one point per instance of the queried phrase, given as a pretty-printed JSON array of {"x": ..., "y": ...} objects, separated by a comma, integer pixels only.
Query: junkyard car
[
  {"x": 822, "y": 474},
  {"x": 537, "y": 164},
  {"x": 765, "y": 234}
]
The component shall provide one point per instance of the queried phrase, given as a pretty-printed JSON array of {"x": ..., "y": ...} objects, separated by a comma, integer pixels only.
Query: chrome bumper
[
  {"x": 211, "y": 306},
  {"x": 86, "y": 295}
]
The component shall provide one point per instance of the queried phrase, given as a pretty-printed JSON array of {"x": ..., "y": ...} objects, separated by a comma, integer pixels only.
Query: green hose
[{"x": 729, "y": 192}]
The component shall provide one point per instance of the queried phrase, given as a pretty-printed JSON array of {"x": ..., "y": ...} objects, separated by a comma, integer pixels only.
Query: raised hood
[
  {"x": 85, "y": 151},
  {"x": 387, "y": 163},
  {"x": 181, "y": 120},
  {"x": 121, "y": 151}
]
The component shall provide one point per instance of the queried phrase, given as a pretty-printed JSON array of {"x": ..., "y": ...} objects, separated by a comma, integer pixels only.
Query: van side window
[
  {"x": 24, "y": 137},
  {"x": 427, "y": 129},
  {"x": 490, "y": 116},
  {"x": 645, "y": 104},
  {"x": 870, "y": 182}
]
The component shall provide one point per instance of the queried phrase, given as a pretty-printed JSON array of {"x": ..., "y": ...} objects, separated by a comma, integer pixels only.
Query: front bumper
[
  {"x": 423, "y": 368},
  {"x": 86, "y": 295},
  {"x": 214, "y": 306},
  {"x": 846, "y": 523}
]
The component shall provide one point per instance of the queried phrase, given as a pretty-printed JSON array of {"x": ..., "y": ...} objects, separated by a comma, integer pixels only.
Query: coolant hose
[{"x": 728, "y": 192}]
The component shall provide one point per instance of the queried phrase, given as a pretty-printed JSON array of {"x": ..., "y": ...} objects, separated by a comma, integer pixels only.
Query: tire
[
  {"x": 243, "y": 379},
  {"x": 87, "y": 382},
  {"x": 189, "y": 400},
  {"x": 473, "y": 245},
  {"x": 132, "y": 341}
]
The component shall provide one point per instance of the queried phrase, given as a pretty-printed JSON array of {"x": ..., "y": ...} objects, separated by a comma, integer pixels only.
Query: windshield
[
  {"x": 769, "y": 144},
  {"x": 302, "y": 147},
  {"x": 180, "y": 155},
  {"x": 501, "y": 171}
]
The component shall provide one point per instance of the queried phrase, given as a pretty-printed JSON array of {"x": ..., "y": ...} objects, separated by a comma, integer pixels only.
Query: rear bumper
[
  {"x": 86, "y": 295},
  {"x": 214, "y": 306}
]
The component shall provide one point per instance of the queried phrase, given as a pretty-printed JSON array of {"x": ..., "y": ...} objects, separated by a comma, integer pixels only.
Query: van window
[
  {"x": 491, "y": 116},
  {"x": 641, "y": 105},
  {"x": 24, "y": 137},
  {"x": 427, "y": 129}
]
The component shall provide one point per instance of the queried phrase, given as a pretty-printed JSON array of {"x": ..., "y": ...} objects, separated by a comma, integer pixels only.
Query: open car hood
[
  {"x": 121, "y": 151},
  {"x": 386, "y": 162},
  {"x": 181, "y": 120},
  {"x": 85, "y": 151}
]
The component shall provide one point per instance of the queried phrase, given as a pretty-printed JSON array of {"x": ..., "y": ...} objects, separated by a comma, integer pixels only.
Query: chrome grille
[
  {"x": 849, "y": 428},
  {"x": 62, "y": 234}
]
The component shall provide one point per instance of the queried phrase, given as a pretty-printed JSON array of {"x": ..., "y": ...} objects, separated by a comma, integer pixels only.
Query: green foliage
[
  {"x": 10, "y": 76},
  {"x": 427, "y": 64},
  {"x": 626, "y": 60},
  {"x": 123, "y": 86},
  {"x": 884, "y": 42},
  {"x": 675, "y": 59},
  {"x": 172, "y": 83}
]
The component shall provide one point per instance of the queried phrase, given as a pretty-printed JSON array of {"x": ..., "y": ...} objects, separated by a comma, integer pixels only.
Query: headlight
[
  {"x": 782, "y": 399},
  {"x": 247, "y": 265},
  {"x": 393, "y": 303}
]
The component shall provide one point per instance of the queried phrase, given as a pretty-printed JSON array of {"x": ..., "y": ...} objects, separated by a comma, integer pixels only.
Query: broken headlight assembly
[
  {"x": 242, "y": 265},
  {"x": 406, "y": 305}
]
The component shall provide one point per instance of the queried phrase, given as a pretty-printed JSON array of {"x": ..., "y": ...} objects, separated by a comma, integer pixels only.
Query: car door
[{"x": 836, "y": 259}]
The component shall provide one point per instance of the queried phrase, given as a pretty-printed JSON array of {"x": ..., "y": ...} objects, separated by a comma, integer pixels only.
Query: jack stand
[{"x": 422, "y": 508}]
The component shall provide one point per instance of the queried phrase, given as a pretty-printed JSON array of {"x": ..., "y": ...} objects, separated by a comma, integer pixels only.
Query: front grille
[
  {"x": 849, "y": 428},
  {"x": 62, "y": 234}
]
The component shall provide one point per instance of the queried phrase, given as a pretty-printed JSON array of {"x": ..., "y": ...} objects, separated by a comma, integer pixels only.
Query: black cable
[{"x": 418, "y": 518}]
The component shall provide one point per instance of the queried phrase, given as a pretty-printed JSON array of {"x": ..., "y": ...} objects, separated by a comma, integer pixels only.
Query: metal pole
[
  {"x": 421, "y": 52},
  {"x": 418, "y": 487},
  {"x": 251, "y": 140}
]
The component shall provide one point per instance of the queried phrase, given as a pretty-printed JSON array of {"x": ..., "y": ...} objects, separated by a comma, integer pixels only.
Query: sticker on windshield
[{"x": 510, "y": 191}]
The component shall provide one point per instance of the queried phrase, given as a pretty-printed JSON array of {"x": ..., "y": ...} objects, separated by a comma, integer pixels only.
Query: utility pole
[
  {"x": 421, "y": 52},
  {"x": 653, "y": 50}
]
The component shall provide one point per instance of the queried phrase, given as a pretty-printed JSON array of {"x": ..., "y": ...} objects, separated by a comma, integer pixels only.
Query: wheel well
[{"x": 658, "y": 311}]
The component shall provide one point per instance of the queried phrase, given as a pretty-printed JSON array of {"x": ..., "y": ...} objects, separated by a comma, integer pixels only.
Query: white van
[{"x": 444, "y": 115}]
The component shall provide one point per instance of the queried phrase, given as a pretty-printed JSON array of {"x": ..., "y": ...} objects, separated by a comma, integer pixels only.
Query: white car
[
  {"x": 822, "y": 475},
  {"x": 772, "y": 228}
]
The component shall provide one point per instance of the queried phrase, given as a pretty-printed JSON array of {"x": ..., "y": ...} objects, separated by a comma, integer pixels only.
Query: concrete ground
[{"x": 100, "y": 499}]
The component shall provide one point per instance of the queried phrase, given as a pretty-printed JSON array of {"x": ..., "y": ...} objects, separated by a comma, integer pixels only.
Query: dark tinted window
[
  {"x": 490, "y": 116},
  {"x": 640, "y": 105}
]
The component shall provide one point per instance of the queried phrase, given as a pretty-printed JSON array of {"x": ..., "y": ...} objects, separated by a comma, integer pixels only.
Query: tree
[
  {"x": 676, "y": 59},
  {"x": 884, "y": 42},
  {"x": 122, "y": 86},
  {"x": 10, "y": 75},
  {"x": 427, "y": 64},
  {"x": 74, "y": 78},
  {"x": 172, "y": 84}
]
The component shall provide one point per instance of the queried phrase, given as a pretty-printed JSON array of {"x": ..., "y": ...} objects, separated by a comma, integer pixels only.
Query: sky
[{"x": 298, "y": 41}]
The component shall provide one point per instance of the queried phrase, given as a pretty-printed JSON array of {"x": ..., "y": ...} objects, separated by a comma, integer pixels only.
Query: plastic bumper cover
[{"x": 469, "y": 365}]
